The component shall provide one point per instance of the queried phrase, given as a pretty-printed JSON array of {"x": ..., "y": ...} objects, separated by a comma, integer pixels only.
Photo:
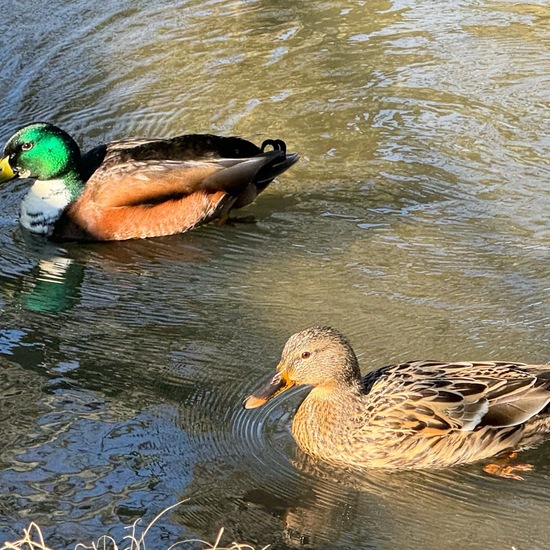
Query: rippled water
[{"x": 416, "y": 222}]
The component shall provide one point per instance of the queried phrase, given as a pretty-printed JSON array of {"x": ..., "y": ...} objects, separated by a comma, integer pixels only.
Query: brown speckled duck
[
  {"x": 420, "y": 414},
  {"x": 135, "y": 188}
]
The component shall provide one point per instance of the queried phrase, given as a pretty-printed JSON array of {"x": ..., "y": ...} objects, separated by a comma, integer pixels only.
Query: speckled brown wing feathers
[{"x": 449, "y": 396}]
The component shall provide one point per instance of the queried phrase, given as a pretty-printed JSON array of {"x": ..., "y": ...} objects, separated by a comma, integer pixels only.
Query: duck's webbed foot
[
  {"x": 502, "y": 468},
  {"x": 225, "y": 219}
]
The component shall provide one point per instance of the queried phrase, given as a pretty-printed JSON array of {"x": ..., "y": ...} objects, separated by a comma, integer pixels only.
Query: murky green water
[{"x": 416, "y": 223}]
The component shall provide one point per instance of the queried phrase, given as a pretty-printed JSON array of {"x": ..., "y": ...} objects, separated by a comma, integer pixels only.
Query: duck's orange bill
[
  {"x": 278, "y": 384},
  {"x": 6, "y": 172}
]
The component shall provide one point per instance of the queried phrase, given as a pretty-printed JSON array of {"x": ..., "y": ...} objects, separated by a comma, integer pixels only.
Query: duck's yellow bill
[
  {"x": 6, "y": 172},
  {"x": 278, "y": 384}
]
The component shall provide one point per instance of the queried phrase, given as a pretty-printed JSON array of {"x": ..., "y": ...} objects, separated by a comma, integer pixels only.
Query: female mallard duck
[
  {"x": 135, "y": 188},
  {"x": 419, "y": 414}
]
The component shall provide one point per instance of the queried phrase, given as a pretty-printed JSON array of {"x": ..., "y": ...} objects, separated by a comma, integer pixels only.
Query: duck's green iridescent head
[{"x": 40, "y": 151}]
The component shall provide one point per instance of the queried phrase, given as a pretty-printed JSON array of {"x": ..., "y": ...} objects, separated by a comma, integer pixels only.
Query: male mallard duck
[
  {"x": 419, "y": 414},
  {"x": 135, "y": 188}
]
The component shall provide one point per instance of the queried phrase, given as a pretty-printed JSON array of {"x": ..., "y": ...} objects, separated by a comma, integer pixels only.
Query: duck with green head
[{"x": 135, "y": 188}]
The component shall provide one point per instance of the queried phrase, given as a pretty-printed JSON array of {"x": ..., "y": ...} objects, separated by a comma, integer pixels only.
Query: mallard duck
[
  {"x": 420, "y": 414},
  {"x": 135, "y": 188}
]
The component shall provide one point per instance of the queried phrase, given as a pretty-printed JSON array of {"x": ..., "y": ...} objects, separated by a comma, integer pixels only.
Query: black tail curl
[{"x": 277, "y": 144}]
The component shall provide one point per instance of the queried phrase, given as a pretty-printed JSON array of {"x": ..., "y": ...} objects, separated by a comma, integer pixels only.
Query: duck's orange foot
[
  {"x": 508, "y": 471},
  {"x": 224, "y": 219}
]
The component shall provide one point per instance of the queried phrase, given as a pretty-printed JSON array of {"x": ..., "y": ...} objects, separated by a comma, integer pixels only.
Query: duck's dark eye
[
  {"x": 26, "y": 146},
  {"x": 305, "y": 354}
]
